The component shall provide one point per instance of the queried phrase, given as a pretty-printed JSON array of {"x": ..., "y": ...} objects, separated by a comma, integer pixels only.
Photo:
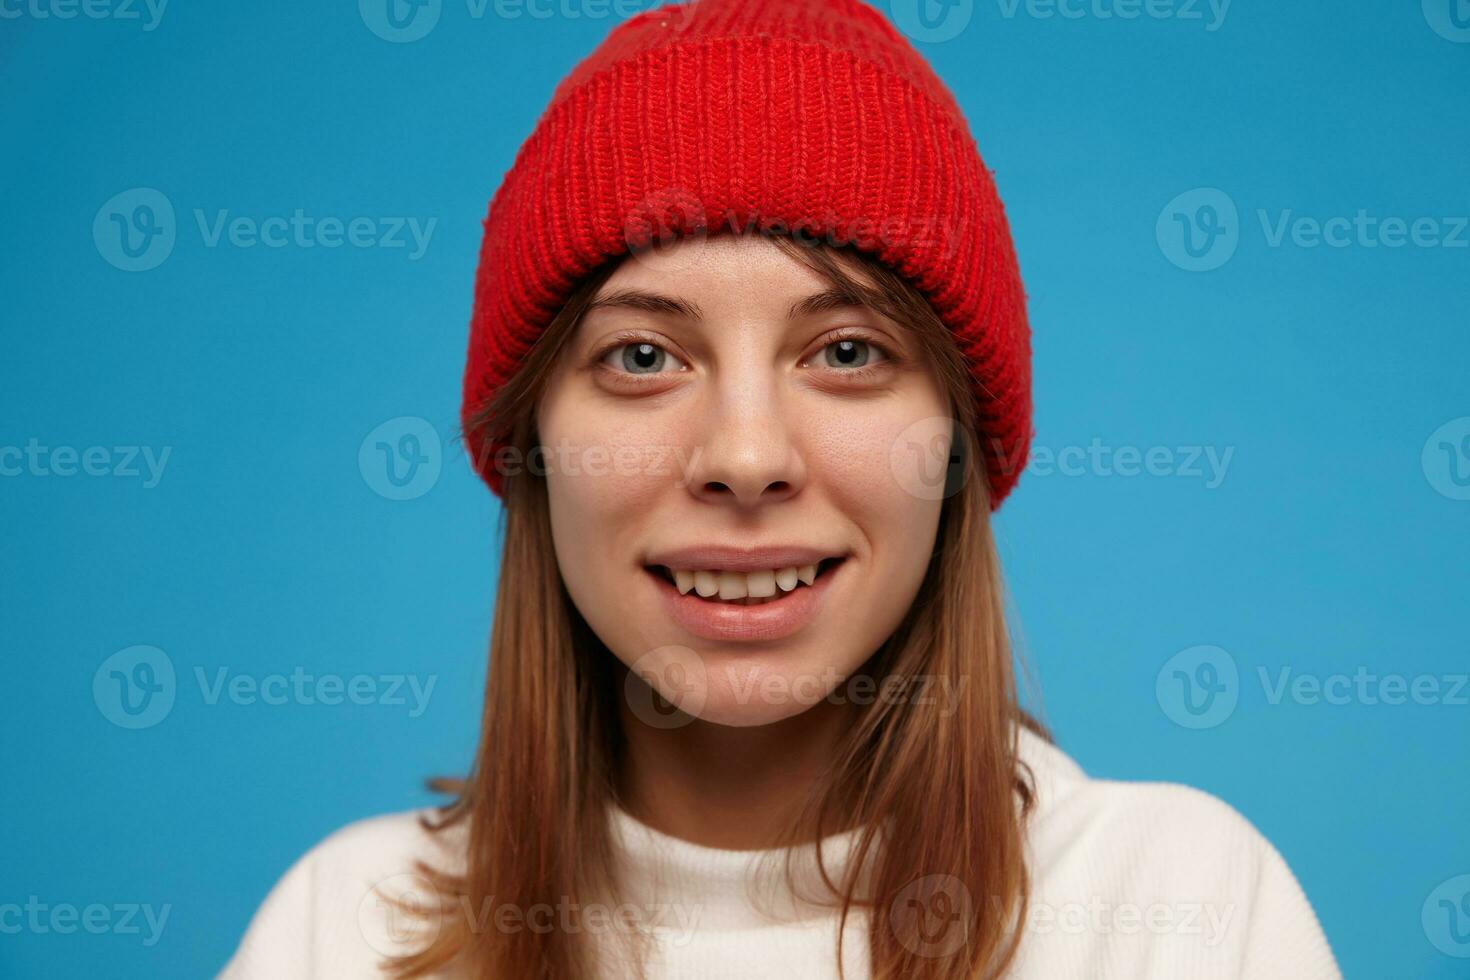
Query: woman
[{"x": 749, "y": 369}]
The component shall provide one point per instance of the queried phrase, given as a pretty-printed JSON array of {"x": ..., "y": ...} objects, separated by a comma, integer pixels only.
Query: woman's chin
[
  {"x": 673, "y": 684},
  {"x": 734, "y": 715},
  {"x": 750, "y": 694}
]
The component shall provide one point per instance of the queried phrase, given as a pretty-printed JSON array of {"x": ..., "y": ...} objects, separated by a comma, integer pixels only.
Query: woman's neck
[{"x": 725, "y": 787}]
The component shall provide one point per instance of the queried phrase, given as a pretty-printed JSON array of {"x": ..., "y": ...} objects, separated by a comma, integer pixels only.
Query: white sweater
[{"x": 1133, "y": 881}]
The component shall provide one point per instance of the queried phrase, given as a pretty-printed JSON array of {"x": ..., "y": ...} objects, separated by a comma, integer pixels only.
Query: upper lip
[{"x": 725, "y": 558}]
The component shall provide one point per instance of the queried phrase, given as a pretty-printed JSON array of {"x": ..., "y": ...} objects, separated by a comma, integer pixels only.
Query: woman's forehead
[
  {"x": 728, "y": 277},
  {"x": 723, "y": 259}
]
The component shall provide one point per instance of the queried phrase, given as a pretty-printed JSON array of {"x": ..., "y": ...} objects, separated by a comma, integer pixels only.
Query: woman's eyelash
[
  {"x": 619, "y": 341},
  {"x": 888, "y": 357}
]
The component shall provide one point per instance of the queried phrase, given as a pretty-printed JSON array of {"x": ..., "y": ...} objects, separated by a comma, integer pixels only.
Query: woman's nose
[{"x": 746, "y": 450}]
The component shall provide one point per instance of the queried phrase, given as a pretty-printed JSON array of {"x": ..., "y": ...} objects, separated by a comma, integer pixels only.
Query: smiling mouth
[{"x": 744, "y": 588}]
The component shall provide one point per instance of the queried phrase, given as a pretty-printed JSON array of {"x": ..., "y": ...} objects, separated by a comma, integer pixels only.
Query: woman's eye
[
  {"x": 851, "y": 353},
  {"x": 638, "y": 358}
]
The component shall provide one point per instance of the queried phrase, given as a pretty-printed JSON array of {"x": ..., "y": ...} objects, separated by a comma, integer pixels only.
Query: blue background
[{"x": 266, "y": 547}]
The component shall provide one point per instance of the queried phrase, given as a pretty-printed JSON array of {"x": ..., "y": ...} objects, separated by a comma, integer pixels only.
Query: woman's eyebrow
[
  {"x": 640, "y": 299},
  {"x": 828, "y": 299}
]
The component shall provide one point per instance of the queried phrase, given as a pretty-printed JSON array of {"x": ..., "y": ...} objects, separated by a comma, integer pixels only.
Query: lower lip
[{"x": 773, "y": 620}]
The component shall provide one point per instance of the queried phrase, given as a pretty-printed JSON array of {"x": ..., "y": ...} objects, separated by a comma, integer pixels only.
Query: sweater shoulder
[
  {"x": 386, "y": 843},
  {"x": 1148, "y": 826},
  {"x": 339, "y": 909},
  {"x": 1133, "y": 874},
  {"x": 1067, "y": 793},
  {"x": 368, "y": 852}
]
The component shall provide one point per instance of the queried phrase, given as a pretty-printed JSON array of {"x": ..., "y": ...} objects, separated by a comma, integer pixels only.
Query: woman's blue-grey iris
[
  {"x": 847, "y": 353},
  {"x": 643, "y": 358}
]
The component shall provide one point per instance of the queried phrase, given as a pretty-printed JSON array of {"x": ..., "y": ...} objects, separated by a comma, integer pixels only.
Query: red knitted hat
[{"x": 814, "y": 116}]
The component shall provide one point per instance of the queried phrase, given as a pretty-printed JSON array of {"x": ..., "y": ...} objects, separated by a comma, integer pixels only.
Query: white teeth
[
  {"x": 706, "y": 583},
  {"x": 732, "y": 585},
  {"x": 749, "y": 588},
  {"x": 760, "y": 585}
]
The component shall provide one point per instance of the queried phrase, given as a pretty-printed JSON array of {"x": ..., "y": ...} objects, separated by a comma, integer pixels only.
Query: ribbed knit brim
[{"x": 795, "y": 114}]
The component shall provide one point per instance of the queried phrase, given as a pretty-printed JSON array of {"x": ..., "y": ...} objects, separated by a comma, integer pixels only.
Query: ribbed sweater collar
[
  {"x": 726, "y": 889},
  {"x": 746, "y": 889}
]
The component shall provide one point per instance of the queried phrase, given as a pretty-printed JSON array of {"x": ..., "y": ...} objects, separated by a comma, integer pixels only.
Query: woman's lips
[{"x": 775, "y": 619}]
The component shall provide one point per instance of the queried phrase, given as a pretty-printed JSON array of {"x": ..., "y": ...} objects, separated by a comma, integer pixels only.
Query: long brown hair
[{"x": 947, "y": 788}]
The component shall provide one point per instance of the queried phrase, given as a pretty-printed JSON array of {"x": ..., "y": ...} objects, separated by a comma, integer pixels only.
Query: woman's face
[{"x": 713, "y": 430}]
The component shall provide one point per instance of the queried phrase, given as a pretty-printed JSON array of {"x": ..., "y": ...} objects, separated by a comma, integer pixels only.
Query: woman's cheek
[
  {"x": 610, "y": 477},
  {"x": 880, "y": 483},
  {"x": 885, "y": 468},
  {"x": 611, "y": 461}
]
